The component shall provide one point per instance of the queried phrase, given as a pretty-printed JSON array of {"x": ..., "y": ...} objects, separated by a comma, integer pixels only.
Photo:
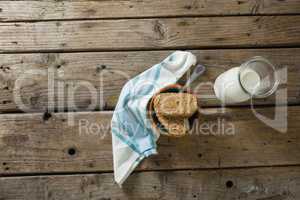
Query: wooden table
[{"x": 74, "y": 45}]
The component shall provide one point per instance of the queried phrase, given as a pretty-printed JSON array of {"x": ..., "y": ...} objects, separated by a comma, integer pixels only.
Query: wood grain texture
[
  {"x": 50, "y": 9},
  {"x": 74, "y": 73},
  {"x": 247, "y": 184},
  {"x": 133, "y": 34},
  {"x": 81, "y": 142}
]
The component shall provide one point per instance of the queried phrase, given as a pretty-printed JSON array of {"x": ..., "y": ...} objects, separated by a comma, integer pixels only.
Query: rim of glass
[{"x": 276, "y": 82}]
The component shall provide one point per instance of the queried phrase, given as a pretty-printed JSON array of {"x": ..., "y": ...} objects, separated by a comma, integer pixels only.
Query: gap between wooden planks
[
  {"x": 65, "y": 10},
  {"x": 81, "y": 142},
  {"x": 146, "y": 34},
  {"x": 107, "y": 72},
  {"x": 257, "y": 183}
]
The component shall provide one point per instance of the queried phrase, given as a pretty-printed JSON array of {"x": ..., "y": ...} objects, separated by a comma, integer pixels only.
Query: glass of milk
[
  {"x": 258, "y": 77},
  {"x": 255, "y": 78}
]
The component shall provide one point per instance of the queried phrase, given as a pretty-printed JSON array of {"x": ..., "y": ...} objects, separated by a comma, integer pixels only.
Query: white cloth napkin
[{"x": 132, "y": 136}]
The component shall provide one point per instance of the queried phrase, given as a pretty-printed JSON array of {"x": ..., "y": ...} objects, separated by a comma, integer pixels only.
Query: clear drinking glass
[{"x": 258, "y": 77}]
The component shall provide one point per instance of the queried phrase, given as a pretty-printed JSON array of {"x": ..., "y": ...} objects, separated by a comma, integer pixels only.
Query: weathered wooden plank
[
  {"x": 50, "y": 9},
  {"x": 130, "y": 34},
  {"x": 108, "y": 72},
  {"x": 249, "y": 184},
  {"x": 73, "y": 142}
]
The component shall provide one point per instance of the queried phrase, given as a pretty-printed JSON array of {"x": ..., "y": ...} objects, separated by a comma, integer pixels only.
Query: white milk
[{"x": 228, "y": 88}]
